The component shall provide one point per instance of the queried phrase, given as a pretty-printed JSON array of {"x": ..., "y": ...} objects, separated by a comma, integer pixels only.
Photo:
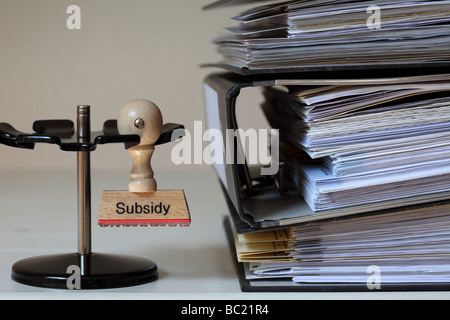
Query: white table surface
[{"x": 38, "y": 212}]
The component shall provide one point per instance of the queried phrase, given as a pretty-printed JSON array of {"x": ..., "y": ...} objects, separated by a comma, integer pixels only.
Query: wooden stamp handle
[{"x": 141, "y": 117}]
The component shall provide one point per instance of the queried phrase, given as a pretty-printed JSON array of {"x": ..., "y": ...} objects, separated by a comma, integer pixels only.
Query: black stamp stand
[{"x": 97, "y": 270}]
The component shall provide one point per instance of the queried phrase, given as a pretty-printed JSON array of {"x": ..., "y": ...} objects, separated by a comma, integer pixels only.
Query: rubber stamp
[{"x": 142, "y": 204}]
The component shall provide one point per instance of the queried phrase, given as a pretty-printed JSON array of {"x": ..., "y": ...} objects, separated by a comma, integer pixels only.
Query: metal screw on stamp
[{"x": 139, "y": 123}]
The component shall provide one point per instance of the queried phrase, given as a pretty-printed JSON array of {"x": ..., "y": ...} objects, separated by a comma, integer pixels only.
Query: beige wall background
[{"x": 126, "y": 49}]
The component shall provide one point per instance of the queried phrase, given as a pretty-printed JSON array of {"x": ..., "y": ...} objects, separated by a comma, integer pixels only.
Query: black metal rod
[{"x": 84, "y": 187}]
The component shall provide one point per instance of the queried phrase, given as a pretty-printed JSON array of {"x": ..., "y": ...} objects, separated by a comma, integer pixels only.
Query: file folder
[{"x": 260, "y": 202}]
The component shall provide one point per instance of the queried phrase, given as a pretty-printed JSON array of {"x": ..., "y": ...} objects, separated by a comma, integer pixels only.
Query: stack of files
[
  {"x": 407, "y": 250},
  {"x": 362, "y": 198},
  {"x": 314, "y": 35},
  {"x": 376, "y": 146},
  {"x": 370, "y": 160}
]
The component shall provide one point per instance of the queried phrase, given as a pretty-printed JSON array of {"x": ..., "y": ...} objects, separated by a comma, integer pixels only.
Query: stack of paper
[
  {"x": 409, "y": 247},
  {"x": 338, "y": 33},
  {"x": 360, "y": 94},
  {"x": 268, "y": 246},
  {"x": 379, "y": 145}
]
